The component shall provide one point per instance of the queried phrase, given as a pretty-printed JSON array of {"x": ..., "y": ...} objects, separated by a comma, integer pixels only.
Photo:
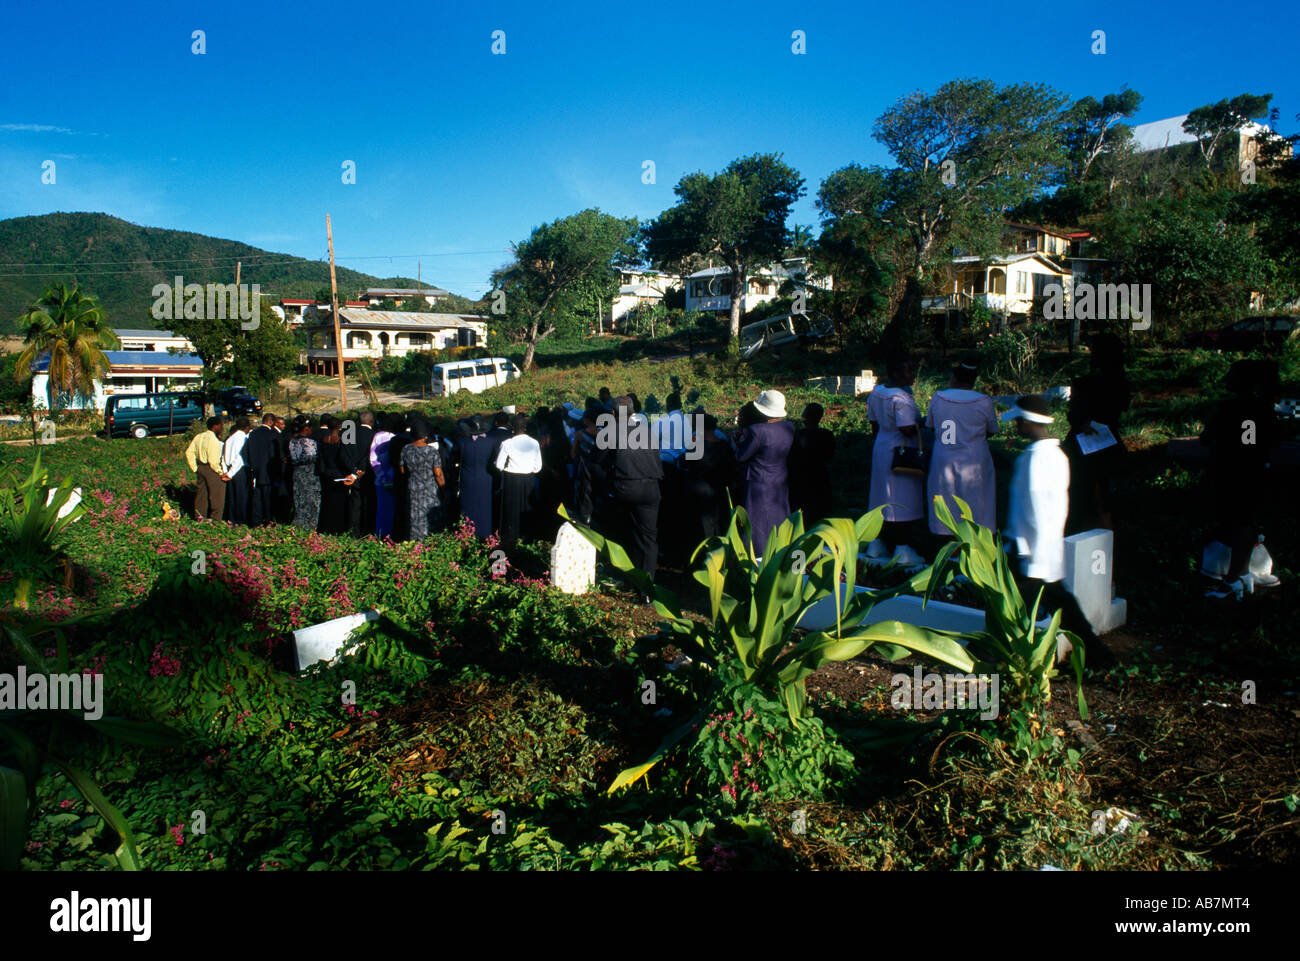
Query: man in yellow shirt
[{"x": 204, "y": 459}]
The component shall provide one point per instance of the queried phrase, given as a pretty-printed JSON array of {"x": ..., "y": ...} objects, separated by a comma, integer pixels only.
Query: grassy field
[{"x": 491, "y": 713}]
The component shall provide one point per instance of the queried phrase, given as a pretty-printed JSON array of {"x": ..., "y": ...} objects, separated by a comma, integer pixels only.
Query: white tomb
[
  {"x": 573, "y": 561},
  {"x": 1089, "y": 568},
  {"x": 324, "y": 641}
]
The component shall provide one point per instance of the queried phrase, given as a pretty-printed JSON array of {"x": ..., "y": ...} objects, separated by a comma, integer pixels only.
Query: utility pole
[{"x": 334, "y": 307}]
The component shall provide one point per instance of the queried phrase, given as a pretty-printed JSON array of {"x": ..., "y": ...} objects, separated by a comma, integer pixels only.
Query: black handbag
[{"x": 909, "y": 460}]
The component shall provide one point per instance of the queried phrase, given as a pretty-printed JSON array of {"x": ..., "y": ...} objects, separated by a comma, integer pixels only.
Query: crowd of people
[{"x": 394, "y": 476}]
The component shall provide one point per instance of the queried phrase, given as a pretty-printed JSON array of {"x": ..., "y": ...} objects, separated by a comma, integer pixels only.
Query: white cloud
[{"x": 34, "y": 128}]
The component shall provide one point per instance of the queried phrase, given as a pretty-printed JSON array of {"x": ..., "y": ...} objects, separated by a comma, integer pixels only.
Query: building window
[{"x": 1022, "y": 282}]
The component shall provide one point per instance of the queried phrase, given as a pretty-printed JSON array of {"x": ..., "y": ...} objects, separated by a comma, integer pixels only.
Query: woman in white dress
[
  {"x": 962, "y": 419},
  {"x": 896, "y": 420}
]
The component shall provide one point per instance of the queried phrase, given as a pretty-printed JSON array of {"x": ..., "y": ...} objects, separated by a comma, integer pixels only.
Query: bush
[{"x": 1011, "y": 358}]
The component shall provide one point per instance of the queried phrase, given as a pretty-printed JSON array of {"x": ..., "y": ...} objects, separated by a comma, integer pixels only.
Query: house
[
  {"x": 386, "y": 333},
  {"x": 1005, "y": 284},
  {"x": 1163, "y": 134},
  {"x": 130, "y": 372},
  {"x": 134, "y": 339},
  {"x": 292, "y": 309},
  {"x": 399, "y": 295},
  {"x": 637, "y": 288},
  {"x": 710, "y": 289}
]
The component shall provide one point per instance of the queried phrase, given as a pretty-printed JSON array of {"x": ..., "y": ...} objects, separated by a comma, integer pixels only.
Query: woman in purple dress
[{"x": 761, "y": 453}]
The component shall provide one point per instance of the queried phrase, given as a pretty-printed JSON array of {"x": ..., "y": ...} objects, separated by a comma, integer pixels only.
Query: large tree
[
  {"x": 964, "y": 155},
  {"x": 1215, "y": 124},
  {"x": 555, "y": 270},
  {"x": 1187, "y": 246},
  {"x": 738, "y": 216},
  {"x": 256, "y": 357},
  {"x": 71, "y": 328}
]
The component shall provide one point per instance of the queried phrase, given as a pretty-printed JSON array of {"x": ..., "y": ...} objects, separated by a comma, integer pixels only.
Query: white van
[{"x": 474, "y": 376}]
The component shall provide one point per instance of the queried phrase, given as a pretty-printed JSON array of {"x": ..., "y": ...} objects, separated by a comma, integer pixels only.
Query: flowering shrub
[{"x": 746, "y": 750}]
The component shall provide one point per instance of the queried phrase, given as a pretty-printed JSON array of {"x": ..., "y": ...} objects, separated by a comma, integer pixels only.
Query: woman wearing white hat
[
  {"x": 896, "y": 419},
  {"x": 761, "y": 452}
]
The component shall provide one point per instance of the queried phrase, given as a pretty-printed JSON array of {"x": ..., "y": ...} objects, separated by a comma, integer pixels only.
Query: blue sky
[{"x": 459, "y": 152}]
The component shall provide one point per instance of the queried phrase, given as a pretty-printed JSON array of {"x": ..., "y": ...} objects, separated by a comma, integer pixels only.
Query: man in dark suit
[
  {"x": 635, "y": 473},
  {"x": 499, "y": 433},
  {"x": 262, "y": 454},
  {"x": 283, "y": 499},
  {"x": 356, "y": 458}
]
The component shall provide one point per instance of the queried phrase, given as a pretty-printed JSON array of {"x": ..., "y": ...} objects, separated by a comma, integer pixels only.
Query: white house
[
  {"x": 1161, "y": 134},
  {"x": 130, "y": 372},
  {"x": 152, "y": 340},
  {"x": 1006, "y": 284},
  {"x": 386, "y": 333},
  {"x": 710, "y": 289},
  {"x": 638, "y": 288},
  {"x": 399, "y": 295}
]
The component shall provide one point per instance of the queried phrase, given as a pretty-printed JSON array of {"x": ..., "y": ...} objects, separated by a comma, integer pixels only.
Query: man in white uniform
[{"x": 1036, "y": 510}]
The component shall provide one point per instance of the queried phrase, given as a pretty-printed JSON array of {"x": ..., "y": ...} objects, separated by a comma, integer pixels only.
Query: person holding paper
[{"x": 1097, "y": 402}]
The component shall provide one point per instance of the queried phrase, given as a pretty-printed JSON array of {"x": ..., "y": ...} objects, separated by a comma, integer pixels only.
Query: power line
[{"x": 222, "y": 262}]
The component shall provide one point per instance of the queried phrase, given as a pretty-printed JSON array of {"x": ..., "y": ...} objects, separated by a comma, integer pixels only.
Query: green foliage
[
  {"x": 556, "y": 270},
  {"x": 31, "y": 529},
  {"x": 738, "y": 215},
  {"x": 58, "y": 241},
  {"x": 256, "y": 358},
  {"x": 1011, "y": 358},
  {"x": 1011, "y": 643},
  {"x": 749, "y": 750},
  {"x": 70, "y": 328}
]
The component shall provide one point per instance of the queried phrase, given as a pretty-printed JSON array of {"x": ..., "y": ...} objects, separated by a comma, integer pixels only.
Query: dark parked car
[
  {"x": 140, "y": 415},
  {"x": 1247, "y": 334},
  {"x": 236, "y": 402}
]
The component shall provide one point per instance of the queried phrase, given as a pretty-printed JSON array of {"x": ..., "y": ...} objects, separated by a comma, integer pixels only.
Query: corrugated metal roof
[
  {"x": 402, "y": 291},
  {"x": 135, "y": 333},
  {"x": 1169, "y": 132},
  {"x": 407, "y": 319},
  {"x": 133, "y": 358}
]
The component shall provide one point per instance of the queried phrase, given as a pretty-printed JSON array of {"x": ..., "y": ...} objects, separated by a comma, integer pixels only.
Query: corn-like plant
[
  {"x": 30, "y": 527},
  {"x": 756, "y": 604},
  {"x": 29, "y": 532},
  {"x": 1011, "y": 644}
]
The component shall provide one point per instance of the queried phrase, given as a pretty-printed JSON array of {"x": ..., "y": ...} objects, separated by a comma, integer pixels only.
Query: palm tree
[{"x": 71, "y": 328}]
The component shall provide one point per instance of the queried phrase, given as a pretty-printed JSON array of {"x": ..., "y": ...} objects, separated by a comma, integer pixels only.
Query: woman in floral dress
[
  {"x": 306, "y": 482},
  {"x": 423, "y": 467}
]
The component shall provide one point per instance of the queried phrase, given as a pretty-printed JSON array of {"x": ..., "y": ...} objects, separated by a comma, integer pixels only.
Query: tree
[
  {"x": 552, "y": 268},
  {"x": 1213, "y": 124},
  {"x": 1196, "y": 260},
  {"x": 72, "y": 329},
  {"x": 256, "y": 357},
  {"x": 738, "y": 215},
  {"x": 965, "y": 155},
  {"x": 1093, "y": 126}
]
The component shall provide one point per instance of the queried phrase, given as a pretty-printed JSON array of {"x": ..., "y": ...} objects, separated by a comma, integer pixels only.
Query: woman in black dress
[{"x": 335, "y": 478}]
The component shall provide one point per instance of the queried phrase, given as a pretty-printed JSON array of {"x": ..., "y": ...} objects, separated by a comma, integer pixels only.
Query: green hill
[{"x": 120, "y": 262}]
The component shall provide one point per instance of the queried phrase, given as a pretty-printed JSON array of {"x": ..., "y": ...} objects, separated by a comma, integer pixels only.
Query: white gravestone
[
  {"x": 324, "y": 641},
  {"x": 573, "y": 561},
  {"x": 1089, "y": 569}
]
